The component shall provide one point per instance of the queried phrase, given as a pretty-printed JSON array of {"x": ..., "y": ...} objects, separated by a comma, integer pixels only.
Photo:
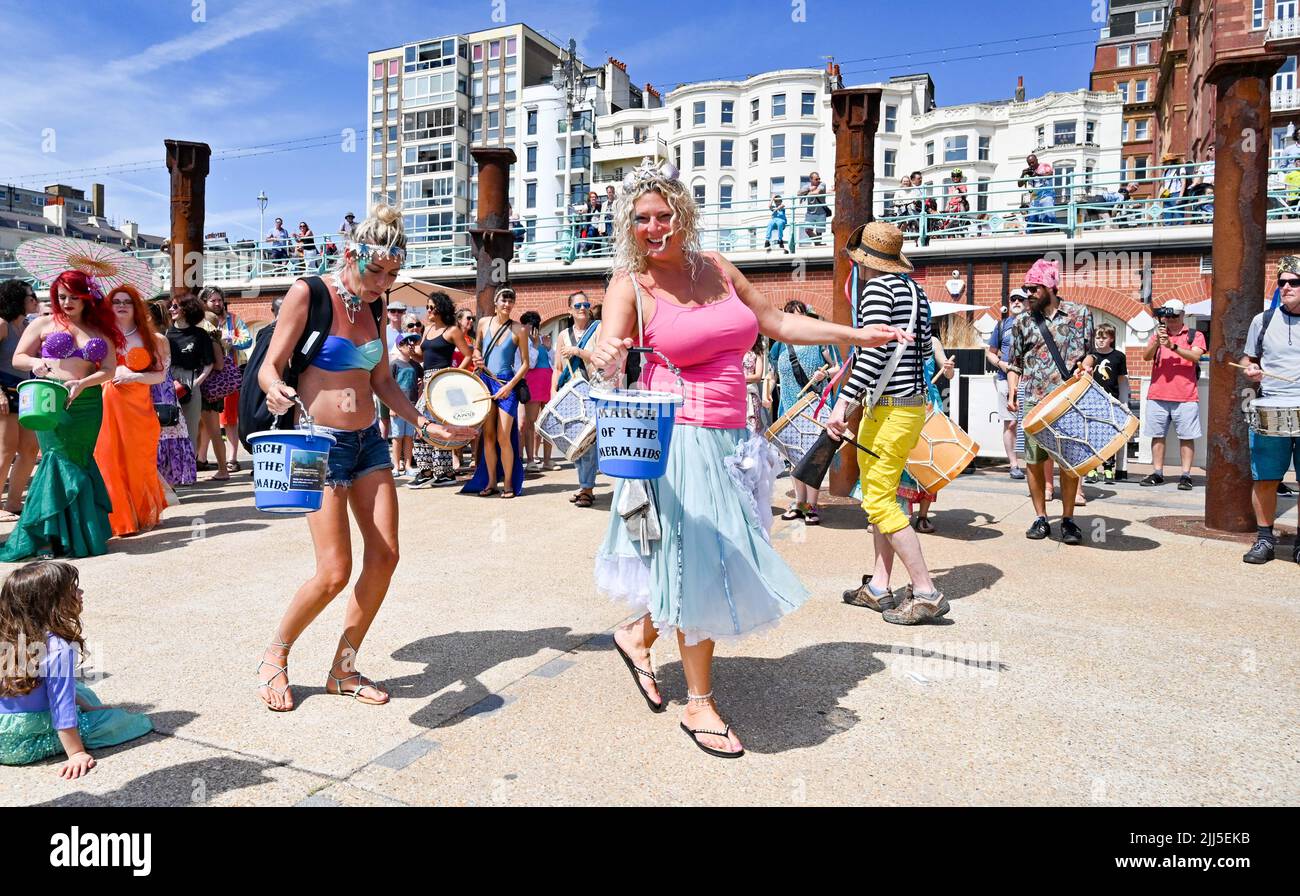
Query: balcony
[
  {"x": 581, "y": 126},
  {"x": 1285, "y": 100},
  {"x": 1283, "y": 29}
]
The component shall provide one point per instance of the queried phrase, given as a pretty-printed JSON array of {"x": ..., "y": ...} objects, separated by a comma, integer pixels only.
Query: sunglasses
[
  {"x": 414, "y": 327},
  {"x": 577, "y": 305},
  {"x": 1284, "y": 282}
]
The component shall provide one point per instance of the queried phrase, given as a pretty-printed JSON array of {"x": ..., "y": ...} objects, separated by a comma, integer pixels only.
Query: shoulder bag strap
[
  {"x": 800, "y": 376},
  {"x": 892, "y": 364},
  {"x": 1052, "y": 347},
  {"x": 634, "y": 361}
]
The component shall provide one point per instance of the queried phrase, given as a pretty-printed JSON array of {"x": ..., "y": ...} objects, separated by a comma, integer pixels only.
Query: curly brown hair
[{"x": 37, "y": 599}]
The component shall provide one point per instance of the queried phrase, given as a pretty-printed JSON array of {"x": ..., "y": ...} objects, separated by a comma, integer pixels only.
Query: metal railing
[{"x": 1070, "y": 204}]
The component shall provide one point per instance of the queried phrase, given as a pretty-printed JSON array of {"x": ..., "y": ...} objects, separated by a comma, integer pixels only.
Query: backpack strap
[
  {"x": 320, "y": 318},
  {"x": 1259, "y": 343}
]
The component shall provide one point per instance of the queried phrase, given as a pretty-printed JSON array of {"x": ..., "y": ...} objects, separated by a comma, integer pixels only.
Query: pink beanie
[{"x": 1043, "y": 273}]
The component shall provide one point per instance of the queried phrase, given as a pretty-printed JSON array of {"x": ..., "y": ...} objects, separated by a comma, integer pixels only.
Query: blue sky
[{"x": 96, "y": 84}]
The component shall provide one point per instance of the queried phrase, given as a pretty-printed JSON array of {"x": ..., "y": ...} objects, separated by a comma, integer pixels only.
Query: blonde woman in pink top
[{"x": 713, "y": 573}]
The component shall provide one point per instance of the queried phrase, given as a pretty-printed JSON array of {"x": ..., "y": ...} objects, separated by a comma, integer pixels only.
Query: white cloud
[{"x": 245, "y": 20}]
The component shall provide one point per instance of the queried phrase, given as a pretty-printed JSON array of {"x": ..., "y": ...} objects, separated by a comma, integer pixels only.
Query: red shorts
[{"x": 230, "y": 410}]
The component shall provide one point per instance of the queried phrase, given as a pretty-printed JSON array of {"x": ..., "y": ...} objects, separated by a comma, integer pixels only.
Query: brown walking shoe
[
  {"x": 862, "y": 597},
  {"x": 913, "y": 610}
]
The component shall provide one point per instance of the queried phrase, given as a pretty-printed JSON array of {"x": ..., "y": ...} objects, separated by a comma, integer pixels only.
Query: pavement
[{"x": 1146, "y": 667}]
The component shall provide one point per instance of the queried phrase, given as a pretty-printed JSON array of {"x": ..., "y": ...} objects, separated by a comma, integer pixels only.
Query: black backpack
[{"x": 254, "y": 416}]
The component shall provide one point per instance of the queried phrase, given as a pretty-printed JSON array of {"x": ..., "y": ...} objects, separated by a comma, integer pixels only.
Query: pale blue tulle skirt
[{"x": 713, "y": 574}]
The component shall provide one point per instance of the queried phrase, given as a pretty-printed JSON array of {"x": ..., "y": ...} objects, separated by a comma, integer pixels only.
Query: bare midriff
[{"x": 338, "y": 398}]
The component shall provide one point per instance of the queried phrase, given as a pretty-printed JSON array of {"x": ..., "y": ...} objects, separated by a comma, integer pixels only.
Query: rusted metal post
[
  {"x": 1241, "y": 151},
  {"x": 855, "y": 116},
  {"x": 187, "y": 163},
  {"x": 494, "y": 243}
]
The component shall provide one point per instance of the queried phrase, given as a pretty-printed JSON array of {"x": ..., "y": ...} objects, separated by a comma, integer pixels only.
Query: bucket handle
[
  {"x": 305, "y": 417},
  {"x": 672, "y": 368}
]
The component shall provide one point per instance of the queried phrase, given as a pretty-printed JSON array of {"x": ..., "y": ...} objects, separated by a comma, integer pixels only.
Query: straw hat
[{"x": 879, "y": 246}]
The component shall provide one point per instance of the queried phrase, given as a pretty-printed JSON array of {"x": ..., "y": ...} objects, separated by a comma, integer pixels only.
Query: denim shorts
[
  {"x": 1272, "y": 456},
  {"x": 356, "y": 452}
]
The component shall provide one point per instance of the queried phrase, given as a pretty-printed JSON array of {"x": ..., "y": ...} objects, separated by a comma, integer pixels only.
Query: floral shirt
[{"x": 1071, "y": 327}]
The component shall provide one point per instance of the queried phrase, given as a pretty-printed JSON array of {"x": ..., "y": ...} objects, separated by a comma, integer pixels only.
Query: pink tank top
[{"x": 708, "y": 343}]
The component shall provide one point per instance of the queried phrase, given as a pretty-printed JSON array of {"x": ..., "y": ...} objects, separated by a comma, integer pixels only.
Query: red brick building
[{"x": 1127, "y": 60}]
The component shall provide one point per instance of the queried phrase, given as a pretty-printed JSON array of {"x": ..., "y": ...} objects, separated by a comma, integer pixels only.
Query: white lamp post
[{"x": 261, "y": 226}]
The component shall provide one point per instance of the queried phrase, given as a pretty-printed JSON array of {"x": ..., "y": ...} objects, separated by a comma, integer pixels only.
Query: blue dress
[{"x": 500, "y": 363}]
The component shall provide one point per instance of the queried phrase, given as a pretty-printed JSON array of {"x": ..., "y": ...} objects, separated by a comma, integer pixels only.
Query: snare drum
[
  {"x": 457, "y": 398},
  {"x": 1080, "y": 425},
  {"x": 941, "y": 453},
  {"x": 1275, "y": 416},
  {"x": 793, "y": 434},
  {"x": 568, "y": 422}
]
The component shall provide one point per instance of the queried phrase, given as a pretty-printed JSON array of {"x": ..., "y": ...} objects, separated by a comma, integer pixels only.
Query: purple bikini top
[{"x": 59, "y": 345}]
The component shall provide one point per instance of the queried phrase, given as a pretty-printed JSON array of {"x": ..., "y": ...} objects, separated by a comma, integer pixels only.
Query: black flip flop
[
  {"x": 636, "y": 671},
  {"x": 693, "y": 733}
]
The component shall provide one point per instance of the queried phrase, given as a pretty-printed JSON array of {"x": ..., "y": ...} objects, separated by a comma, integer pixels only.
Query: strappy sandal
[
  {"x": 794, "y": 512},
  {"x": 924, "y": 526},
  {"x": 279, "y": 670},
  {"x": 638, "y": 671},
  {"x": 362, "y": 683},
  {"x": 507, "y": 495},
  {"x": 233, "y": 467},
  {"x": 488, "y": 492},
  {"x": 694, "y": 734},
  {"x": 585, "y": 500},
  {"x": 812, "y": 517}
]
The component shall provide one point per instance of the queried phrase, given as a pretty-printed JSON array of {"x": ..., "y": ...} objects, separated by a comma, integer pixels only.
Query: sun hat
[
  {"x": 879, "y": 246},
  {"x": 1043, "y": 273}
]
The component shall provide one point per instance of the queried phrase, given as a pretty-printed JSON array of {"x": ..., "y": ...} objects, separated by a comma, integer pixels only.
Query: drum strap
[
  {"x": 1052, "y": 348},
  {"x": 892, "y": 364}
]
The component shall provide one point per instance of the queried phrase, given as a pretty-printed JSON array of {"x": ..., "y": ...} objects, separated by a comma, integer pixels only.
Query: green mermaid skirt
[
  {"x": 67, "y": 506},
  {"x": 27, "y": 737}
]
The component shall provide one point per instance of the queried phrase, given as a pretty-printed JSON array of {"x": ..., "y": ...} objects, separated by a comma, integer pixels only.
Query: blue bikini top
[{"x": 341, "y": 353}]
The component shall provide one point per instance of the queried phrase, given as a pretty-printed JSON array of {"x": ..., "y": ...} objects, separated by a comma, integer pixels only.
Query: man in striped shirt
[
  {"x": 889, "y": 383},
  {"x": 1070, "y": 326}
]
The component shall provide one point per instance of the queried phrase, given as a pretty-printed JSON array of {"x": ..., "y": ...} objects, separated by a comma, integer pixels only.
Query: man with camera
[{"x": 1173, "y": 397}]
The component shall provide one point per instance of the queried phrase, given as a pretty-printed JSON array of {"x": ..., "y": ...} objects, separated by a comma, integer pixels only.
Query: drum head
[
  {"x": 1275, "y": 401},
  {"x": 455, "y": 396}
]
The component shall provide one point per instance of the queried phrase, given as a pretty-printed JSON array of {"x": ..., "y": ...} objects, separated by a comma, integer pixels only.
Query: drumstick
[
  {"x": 1276, "y": 376},
  {"x": 856, "y": 445}
]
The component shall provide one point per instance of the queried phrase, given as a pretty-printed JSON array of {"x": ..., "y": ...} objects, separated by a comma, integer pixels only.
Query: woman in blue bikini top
[{"x": 339, "y": 390}]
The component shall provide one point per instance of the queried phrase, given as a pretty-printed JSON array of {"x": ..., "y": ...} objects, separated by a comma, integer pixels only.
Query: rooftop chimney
[
  {"x": 56, "y": 213},
  {"x": 1020, "y": 89},
  {"x": 97, "y": 199}
]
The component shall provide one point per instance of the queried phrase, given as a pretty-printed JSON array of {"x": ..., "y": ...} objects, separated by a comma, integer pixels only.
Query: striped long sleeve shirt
[{"x": 888, "y": 300}]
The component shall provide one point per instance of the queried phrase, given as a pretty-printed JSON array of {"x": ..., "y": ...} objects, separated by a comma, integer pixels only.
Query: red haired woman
[
  {"x": 67, "y": 507},
  {"x": 127, "y": 450}
]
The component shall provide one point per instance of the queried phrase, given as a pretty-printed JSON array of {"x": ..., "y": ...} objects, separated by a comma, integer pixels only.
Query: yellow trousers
[{"x": 892, "y": 433}]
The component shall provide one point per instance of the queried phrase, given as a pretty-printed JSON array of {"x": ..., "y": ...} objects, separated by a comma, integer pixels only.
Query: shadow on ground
[
  {"x": 180, "y": 528},
  {"x": 460, "y": 658},
  {"x": 185, "y": 784},
  {"x": 793, "y": 702}
]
